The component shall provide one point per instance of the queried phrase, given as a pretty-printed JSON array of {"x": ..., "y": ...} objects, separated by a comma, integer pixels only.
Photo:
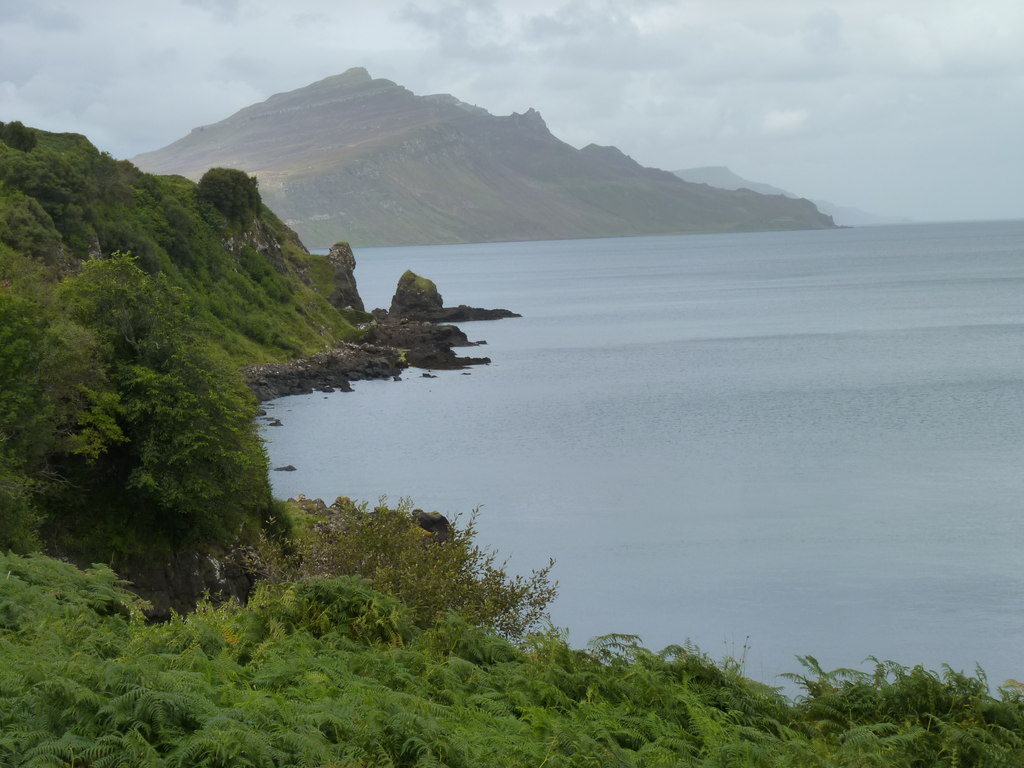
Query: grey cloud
[{"x": 837, "y": 100}]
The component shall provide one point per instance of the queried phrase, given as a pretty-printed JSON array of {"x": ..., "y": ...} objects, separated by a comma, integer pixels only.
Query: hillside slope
[
  {"x": 723, "y": 178},
  {"x": 127, "y": 302},
  {"x": 366, "y": 160}
]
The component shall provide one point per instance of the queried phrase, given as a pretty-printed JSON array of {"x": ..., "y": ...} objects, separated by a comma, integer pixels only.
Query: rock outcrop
[
  {"x": 417, "y": 298},
  {"x": 425, "y": 345},
  {"x": 413, "y": 333},
  {"x": 345, "y": 292},
  {"x": 178, "y": 582}
]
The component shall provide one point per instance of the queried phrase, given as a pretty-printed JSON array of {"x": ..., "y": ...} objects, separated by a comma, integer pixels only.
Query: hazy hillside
[
  {"x": 723, "y": 178},
  {"x": 370, "y": 162}
]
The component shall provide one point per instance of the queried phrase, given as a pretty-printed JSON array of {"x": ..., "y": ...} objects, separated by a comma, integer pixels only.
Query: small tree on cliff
[
  {"x": 231, "y": 192},
  {"x": 18, "y": 136}
]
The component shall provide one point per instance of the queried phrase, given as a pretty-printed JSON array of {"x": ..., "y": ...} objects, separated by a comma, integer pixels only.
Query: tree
[
  {"x": 168, "y": 443},
  {"x": 233, "y": 193},
  {"x": 17, "y": 136},
  {"x": 22, "y": 416}
]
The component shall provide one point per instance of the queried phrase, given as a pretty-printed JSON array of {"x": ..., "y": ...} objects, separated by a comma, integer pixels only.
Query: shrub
[
  {"x": 233, "y": 193},
  {"x": 434, "y": 578},
  {"x": 17, "y": 136}
]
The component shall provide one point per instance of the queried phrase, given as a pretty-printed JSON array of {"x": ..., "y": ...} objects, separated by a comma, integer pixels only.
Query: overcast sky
[{"x": 901, "y": 107}]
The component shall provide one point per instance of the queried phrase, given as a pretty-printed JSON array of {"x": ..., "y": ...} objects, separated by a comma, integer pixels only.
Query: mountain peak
[
  {"x": 351, "y": 76},
  {"x": 531, "y": 118},
  {"x": 368, "y": 161}
]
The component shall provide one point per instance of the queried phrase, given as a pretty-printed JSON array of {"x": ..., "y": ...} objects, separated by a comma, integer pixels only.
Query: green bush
[
  {"x": 433, "y": 578},
  {"x": 17, "y": 136},
  {"x": 233, "y": 193}
]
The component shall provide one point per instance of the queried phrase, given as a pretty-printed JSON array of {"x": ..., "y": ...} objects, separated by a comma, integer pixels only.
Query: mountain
[
  {"x": 721, "y": 177},
  {"x": 366, "y": 160}
]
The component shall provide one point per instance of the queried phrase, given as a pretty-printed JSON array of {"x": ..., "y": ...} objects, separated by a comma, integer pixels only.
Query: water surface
[{"x": 800, "y": 442}]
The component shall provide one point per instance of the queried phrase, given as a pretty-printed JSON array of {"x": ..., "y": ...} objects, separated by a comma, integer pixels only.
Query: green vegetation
[
  {"x": 386, "y": 547},
  {"x": 245, "y": 275},
  {"x": 334, "y": 673},
  {"x": 234, "y": 194},
  {"x": 17, "y": 136},
  {"x": 127, "y": 304},
  {"x": 417, "y": 283}
]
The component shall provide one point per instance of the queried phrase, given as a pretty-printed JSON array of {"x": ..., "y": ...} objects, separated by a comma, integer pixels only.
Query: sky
[{"x": 909, "y": 108}]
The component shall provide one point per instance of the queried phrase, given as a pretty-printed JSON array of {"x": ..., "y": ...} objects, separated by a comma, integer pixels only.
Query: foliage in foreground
[
  {"x": 431, "y": 577},
  {"x": 333, "y": 673}
]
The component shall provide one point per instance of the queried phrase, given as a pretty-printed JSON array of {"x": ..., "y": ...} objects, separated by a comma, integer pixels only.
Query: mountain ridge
[
  {"x": 366, "y": 160},
  {"x": 844, "y": 215}
]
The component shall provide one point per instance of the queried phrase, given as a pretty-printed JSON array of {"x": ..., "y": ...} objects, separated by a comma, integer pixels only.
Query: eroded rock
[{"x": 417, "y": 298}]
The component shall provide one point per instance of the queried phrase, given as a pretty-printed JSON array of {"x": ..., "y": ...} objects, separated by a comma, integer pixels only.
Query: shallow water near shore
[{"x": 766, "y": 444}]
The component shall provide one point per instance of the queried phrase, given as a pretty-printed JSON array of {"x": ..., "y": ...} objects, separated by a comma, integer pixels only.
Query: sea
[{"x": 764, "y": 445}]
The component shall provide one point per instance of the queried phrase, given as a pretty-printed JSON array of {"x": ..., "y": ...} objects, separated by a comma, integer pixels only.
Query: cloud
[
  {"x": 784, "y": 121},
  {"x": 822, "y": 98}
]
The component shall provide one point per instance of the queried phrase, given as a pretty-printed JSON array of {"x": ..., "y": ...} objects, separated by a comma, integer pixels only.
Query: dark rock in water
[
  {"x": 285, "y": 468},
  {"x": 345, "y": 292},
  {"x": 411, "y": 326},
  {"x": 428, "y": 375},
  {"x": 275, "y": 423},
  {"x": 426, "y": 345},
  {"x": 334, "y": 368},
  {"x": 464, "y": 314},
  {"x": 417, "y": 298}
]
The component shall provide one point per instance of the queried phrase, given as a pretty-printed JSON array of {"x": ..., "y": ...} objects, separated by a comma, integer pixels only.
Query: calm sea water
[{"x": 765, "y": 444}]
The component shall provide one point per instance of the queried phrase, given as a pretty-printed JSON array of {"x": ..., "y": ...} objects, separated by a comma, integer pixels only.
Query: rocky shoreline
[
  {"x": 327, "y": 371},
  {"x": 412, "y": 333}
]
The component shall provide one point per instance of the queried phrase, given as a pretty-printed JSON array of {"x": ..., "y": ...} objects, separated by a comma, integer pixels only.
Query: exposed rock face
[
  {"x": 411, "y": 326},
  {"x": 417, "y": 298},
  {"x": 344, "y": 262},
  {"x": 261, "y": 239},
  {"x": 177, "y": 583},
  {"x": 325, "y": 371}
]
